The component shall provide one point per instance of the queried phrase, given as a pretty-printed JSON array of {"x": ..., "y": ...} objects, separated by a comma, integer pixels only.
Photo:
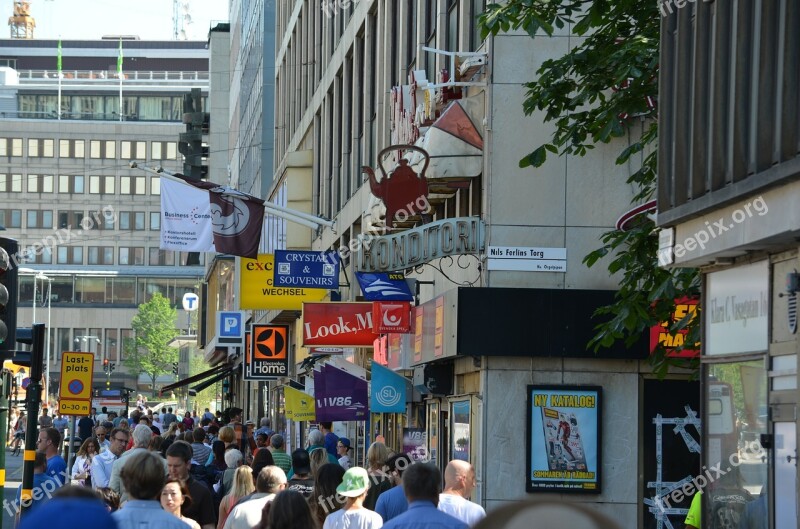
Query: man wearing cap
[
  {"x": 342, "y": 450},
  {"x": 301, "y": 481},
  {"x": 279, "y": 455},
  {"x": 247, "y": 514},
  {"x": 459, "y": 481},
  {"x": 421, "y": 484},
  {"x": 353, "y": 487}
]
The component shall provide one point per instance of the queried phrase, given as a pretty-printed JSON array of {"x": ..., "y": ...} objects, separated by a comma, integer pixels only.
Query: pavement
[{"x": 13, "y": 481}]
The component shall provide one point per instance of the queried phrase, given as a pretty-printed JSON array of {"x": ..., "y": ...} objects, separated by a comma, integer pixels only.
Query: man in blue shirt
[
  {"x": 421, "y": 484},
  {"x": 393, "y": 502},
  {"x": 48, "y": 444},
  {"x": 43, "y": 485}
]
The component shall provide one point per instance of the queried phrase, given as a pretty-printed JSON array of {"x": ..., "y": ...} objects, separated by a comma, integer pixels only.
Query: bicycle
[{"x": 19, "y": 438}]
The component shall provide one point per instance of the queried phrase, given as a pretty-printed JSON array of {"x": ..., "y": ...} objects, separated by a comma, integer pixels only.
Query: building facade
[
  {"x": 727, "y": 190},
  {"x": 87, "y": 223}
]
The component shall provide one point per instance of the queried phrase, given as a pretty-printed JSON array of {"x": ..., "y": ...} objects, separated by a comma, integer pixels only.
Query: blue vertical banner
[{"x": 387, "y": 392}]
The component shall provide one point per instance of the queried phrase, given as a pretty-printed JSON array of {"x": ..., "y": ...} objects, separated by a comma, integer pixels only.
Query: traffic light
[
  {"x": 175, "y": 368},
  {"x": 8, "y": 295},
  {"x": 190, "y": 143}
]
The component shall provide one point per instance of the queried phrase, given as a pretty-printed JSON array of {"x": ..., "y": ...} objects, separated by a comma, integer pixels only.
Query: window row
[
  {"x": 104, "y": 255},
  {"x": 130, "y": 291},
  {"x": 96, "y": 220},
  {"x": 98, "y": 149},
  {"x": 77, "y": 184},
  {"x": 104, "y": 343},
  {"x": 102, "y": 107}
]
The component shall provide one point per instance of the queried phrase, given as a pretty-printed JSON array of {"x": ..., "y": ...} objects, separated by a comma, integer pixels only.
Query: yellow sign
[
  {"x": 299, "y": 405},
  {"x": 74, "y": 407},
  {"x": 75, "y": 395},
  {"x": 257, "y": 292}
]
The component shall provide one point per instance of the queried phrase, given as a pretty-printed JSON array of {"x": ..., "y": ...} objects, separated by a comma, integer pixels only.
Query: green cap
[{"x": 355, "y": 482}]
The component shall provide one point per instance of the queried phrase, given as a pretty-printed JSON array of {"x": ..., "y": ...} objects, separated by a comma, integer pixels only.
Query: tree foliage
[
  {"x": 605, "y": 87},
  {"x": 202, "y": 399},
  {"x": 153, "y": 329}
]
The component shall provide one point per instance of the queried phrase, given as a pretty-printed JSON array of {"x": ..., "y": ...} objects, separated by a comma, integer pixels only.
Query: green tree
[
  {"x": 153, "y": 329},
  {"x": 605, "y": 87},
  {"x": 202, "y": 399}
]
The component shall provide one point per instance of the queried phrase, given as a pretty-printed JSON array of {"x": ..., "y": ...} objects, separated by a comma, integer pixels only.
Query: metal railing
[{"x": 100, "y": 76}]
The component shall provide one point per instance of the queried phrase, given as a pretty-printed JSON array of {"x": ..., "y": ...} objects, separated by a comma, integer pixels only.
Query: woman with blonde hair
[
  {"x": 228, "y": 436},
  {"x": 242, "y": 486},
  {"x": 82, "y": 469},
  {"x": 377, "y": 455}
]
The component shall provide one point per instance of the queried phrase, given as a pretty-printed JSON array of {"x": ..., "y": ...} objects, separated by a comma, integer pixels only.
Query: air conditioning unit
[{"x": 471, "y": 65}]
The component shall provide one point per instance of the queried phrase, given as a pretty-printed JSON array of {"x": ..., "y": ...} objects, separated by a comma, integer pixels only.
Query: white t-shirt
[
  {"x": 361, "y": 518},
  {"x": 463, "y": 509}
]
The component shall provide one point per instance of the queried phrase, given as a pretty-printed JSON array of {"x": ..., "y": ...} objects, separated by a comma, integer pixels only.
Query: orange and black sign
[{"x": 268, "y": 356}]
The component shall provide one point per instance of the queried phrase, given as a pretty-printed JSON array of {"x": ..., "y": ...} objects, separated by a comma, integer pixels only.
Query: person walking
[
  {"x": 380, "y": 482},
  {"x": 343, "y": 451},
  {"x": 324, "y": 499},
  {"x": 393, "y": 502},
  {"x": 288, "y": 510},
  {"x": 459, "y": 482},
  {"x": 279, "y": 455},
  {"x": 243, "y": 485},
  {"x": 421, "y": 484},
  {"x": 45, "y": 421},
  {"x": 48, "y": 443},
  {"x": 141, "y": 440},
  {"x": 179, "y": 461},
  {"x": 174, "y": 498},
  {"x": 354, "y": 486},
  {"x": 103, "y": 463},
  {"x": 247, "y": 514},
  {"x": 143, "y": 478},
  {"x": 82, "y": 468}
]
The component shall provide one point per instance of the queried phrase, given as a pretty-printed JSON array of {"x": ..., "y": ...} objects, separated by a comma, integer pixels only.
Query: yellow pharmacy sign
[{"x": 257, "y": 291}]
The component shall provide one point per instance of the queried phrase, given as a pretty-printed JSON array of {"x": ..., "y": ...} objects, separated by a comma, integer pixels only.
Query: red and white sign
[
  {"x": 337, "y": 324},
  {"x": 391, "y": 317}
]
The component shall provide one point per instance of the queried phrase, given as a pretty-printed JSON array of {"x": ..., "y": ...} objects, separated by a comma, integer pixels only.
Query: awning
[
  {"x": 216, "y": 378},
  {"x": 194, "y": 378}
]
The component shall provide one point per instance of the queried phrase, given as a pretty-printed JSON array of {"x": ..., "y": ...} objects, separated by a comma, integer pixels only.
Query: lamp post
[{"x": 41, "y": 277}]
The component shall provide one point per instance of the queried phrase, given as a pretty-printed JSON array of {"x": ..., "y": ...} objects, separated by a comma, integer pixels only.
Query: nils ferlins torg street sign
[
  {"x": 75, "y": 396},
  {"x": 457, "y": 236},
  {"x": 337, "y": 324},
  {"x": 268, "y": 355}
]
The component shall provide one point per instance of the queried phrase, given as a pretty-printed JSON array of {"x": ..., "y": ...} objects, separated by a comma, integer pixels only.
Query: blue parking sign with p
[{"x": 230, "y": 324}]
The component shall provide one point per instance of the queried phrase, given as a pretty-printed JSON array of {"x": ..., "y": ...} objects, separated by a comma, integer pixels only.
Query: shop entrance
[{"x": 785, "y": 474}]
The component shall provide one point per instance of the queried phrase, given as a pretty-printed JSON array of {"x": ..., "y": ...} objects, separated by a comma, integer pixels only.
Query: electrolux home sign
[{"x": 457, "y": 236}]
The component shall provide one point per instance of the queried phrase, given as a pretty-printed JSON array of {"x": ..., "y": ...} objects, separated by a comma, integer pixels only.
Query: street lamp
[{"x": 41, "y": 277}]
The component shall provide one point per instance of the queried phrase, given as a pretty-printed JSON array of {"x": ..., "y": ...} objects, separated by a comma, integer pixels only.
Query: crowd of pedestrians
[{"x": 209, "y": 471}]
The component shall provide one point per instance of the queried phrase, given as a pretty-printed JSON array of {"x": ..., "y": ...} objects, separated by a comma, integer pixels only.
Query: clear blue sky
[{"x": 91, "y": 19}]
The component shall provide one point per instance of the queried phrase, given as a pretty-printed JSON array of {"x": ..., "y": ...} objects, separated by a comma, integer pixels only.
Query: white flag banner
[{"x": 185, "y": 218}]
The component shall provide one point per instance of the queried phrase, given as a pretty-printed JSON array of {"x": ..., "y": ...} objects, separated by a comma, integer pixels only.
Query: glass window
[
  {"x": 111, "y": 343},
  {"x": 47, "y": 183},
  {"x": 33, "y": 218},
  {"x": 111, "y": 149},
  {"x": 33, "y": 183},
  {"x": 16, "y": 183},
  {"x": 123, "y": 290},
  {"x": 16, "y": 146},
  {"x": 125, "y": 185},
  {"x": 33, "y": 148},
  {"x": 155, "y": 220},
  {"x": 141, "y": 185},
  {"x": 94, "y": 184},
  {"x": 155, "y": 185},
  {"x": 90, "y": 289},
  {"x": 48, "y": 148},
  {"x": 63, "y": 148},
  {"x": 78, "y": 185},
  {"x": 124, "y": 220},
  {"x": 125, "y": 153},
  {"x": 737, "y": 416},
  {"x": 139, "y": 220},
  {"x": 94, "y": 149},
  {"x": 109, "y": 184}
]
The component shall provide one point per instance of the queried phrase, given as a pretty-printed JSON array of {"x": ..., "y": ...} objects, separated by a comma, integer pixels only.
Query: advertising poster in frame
[{"x": 564, "y": 437}]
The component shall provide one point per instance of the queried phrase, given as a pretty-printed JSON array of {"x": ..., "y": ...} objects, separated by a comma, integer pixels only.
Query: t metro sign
[{"x": 337, "y": 324}]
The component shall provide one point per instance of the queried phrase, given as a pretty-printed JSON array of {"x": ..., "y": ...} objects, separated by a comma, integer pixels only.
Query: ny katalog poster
[{"x": 564, "y": 439}]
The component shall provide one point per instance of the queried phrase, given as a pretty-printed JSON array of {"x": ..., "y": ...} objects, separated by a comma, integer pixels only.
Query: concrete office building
[{"x": 89, "y": 223}]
